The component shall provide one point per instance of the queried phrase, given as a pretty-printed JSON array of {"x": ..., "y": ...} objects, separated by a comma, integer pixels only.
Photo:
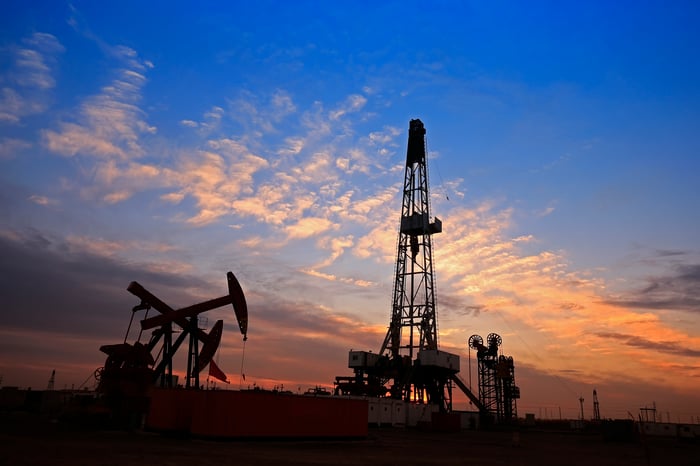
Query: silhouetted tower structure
[
  {"x": 580, "y": 400},
  {"x": 413, "y": 326},
  {"x": 409, "y": 360},
  {"x": 497, "y": 390},
  {"x": 52, "y": 380},
  {"x": 413, "y": 319},
  {"x": 646, "y": 412},
  {"x": 596, "y": 406}
]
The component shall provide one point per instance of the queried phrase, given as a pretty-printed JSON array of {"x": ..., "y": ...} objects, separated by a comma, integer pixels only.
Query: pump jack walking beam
[
  {"x": 147, "y": 297},
  {"x": 186, "y": 318},
  {"x": 180, "y": 316}
]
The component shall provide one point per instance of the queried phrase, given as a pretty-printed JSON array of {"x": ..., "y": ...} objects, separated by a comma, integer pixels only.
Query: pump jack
[{"x": 130, "y": 369}]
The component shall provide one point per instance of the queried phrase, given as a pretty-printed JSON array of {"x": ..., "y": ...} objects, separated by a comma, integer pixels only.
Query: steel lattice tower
[
  {"x": 413, "y": 326},
  {"x": 409, "y": 356},
  {"x": 596, "y": 406},
  {"x": 497, "y": 390}
]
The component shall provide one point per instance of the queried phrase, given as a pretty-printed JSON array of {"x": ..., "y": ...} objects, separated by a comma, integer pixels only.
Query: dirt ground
[{"x": 26, "y": 440}]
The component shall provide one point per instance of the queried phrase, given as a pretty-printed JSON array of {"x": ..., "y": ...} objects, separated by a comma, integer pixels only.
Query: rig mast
[
  {"x": 413, "y": 318},
  {"x": 420, "y": 371},
  {"x": 409, "y": 359}
]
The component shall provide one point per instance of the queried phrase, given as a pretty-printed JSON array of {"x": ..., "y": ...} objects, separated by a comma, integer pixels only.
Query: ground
[{"x": 29, "y": 440}]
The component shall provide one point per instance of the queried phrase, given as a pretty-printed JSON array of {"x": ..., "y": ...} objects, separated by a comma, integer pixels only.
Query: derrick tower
[
  {"x": 418, "y": 369},
  {"x": 410, "y": 366},
  {"x": 413, "y": 325},
  {"x": 409, "y": 360}
]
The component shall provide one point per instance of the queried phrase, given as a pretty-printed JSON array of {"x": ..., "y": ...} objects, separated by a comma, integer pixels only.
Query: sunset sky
[{"x": 170, "y": 142}]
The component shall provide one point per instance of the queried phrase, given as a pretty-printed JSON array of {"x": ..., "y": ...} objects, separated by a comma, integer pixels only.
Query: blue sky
[{"x": 168, "y": 143}]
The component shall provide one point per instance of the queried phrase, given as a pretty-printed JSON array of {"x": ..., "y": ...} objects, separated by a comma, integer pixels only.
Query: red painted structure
[{"x": 255, "y": 414}]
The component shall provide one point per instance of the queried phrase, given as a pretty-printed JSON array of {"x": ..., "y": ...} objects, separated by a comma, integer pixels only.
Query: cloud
[
  {"x": 287, "y": 335},
  {"x": 669, "y": 252},
  {"x": 674, "y": 348},
  {"x": 386, "y": 137},
  {"x": 549, "y": 393},
  {"x": 11, "y": 147},
  {"x": 337, "y": 245},
  {"x": 262, "y": 114},
  {"x": 545, "y": 212},
  {"x": 69, "y": 295},
  {"x": 356, "y": 161},
  {"x": 292, "y": 146},
  {"x": 353, "y": 103},
  {"x": 457, "y": 304},
  {"x": 379, "y": 244},
  {"x": 485, "y": 274},
  {"x": 42, "y": 200},
  {"x": 216, "y": 179},
  {"x": 316, "y": 167},
  {"x": 679, "y": 290},
  {"x": 75, "y": 286},
  {"x": 13, "y": 106},
  {"x": 74, "y": 139},
  {"x": 63, "y": 299},
  {"x": 382, "y": 213},
  {"x": 279, "y": 190},
  {"x": 300, "y": 184},
  {"x": 305, "y": 180},
  {"x": 283, "y": 103},
  {"x": 29, "y": 78},
  {"x": 316, "y": 121},
  {"x": 189, "y": 123},
  {"x": 309, "y": 226},
  {"x": 384, "y": 202},
  {"x": 317, "y": 274},
  {"x": 211, "y": 121},
  {"x": 114, "y": 181},
  {"x": 109, "y": 124},
  {"x": 562, "y": 159},
  {"x": 36, "y": 59}
]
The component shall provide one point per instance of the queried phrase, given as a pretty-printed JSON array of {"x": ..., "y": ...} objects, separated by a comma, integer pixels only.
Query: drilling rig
[{"x": 409, "y": 360}]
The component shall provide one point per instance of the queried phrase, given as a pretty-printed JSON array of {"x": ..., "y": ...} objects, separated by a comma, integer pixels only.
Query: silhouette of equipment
[
  {"x": 130, "y": 368},
  {"x": 409, "y": 365},
  {"x": 497, "y": 390}
]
